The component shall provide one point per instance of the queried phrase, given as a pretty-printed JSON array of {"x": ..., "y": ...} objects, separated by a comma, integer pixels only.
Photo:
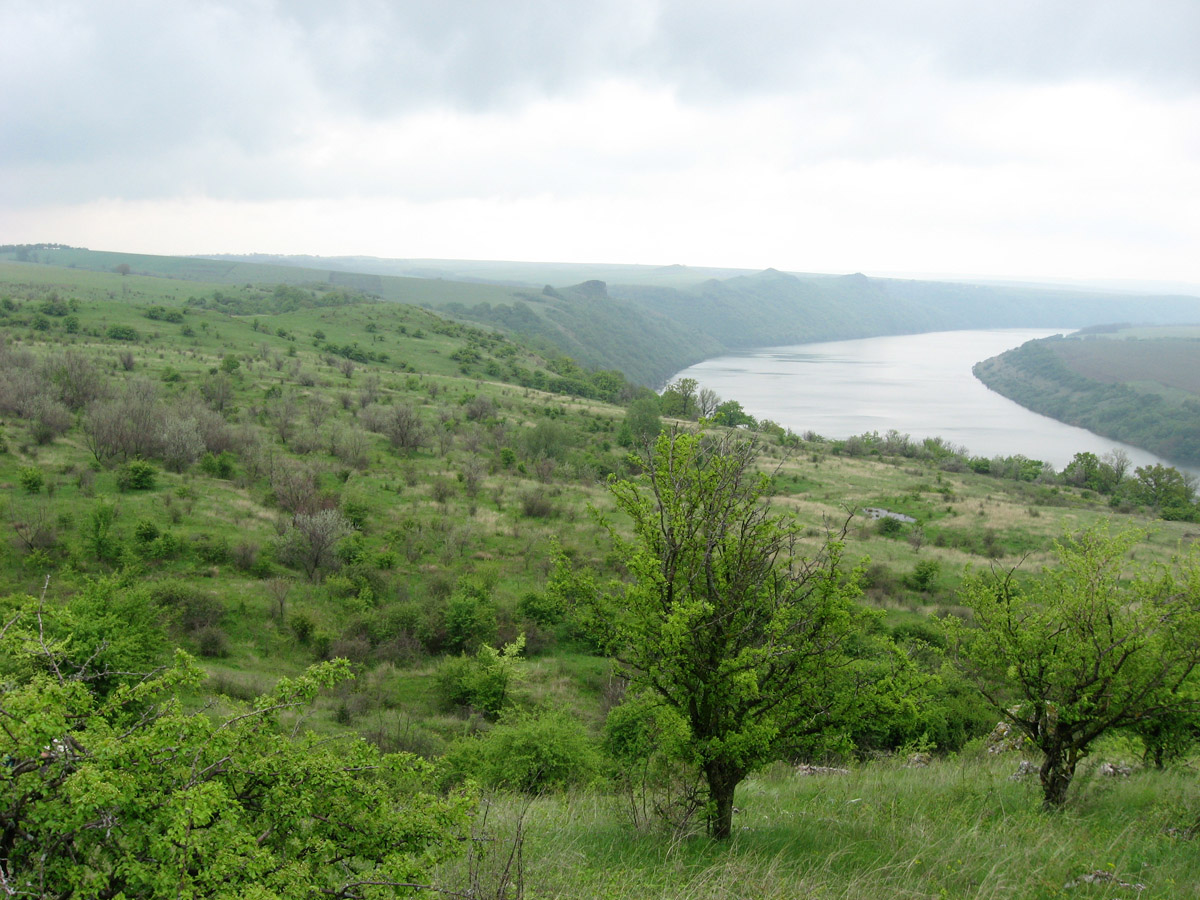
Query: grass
[{"x": 957, "y": 828}]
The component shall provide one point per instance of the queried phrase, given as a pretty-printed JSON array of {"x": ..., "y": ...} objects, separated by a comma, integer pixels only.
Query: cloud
[{"x": 824, "y": 125}]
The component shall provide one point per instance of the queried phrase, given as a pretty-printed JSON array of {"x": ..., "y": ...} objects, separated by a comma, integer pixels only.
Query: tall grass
[{"x": 958, "y": 828}]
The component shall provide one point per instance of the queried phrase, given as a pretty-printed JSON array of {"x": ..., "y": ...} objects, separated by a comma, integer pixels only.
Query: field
[{"x": 456, "y": 464}]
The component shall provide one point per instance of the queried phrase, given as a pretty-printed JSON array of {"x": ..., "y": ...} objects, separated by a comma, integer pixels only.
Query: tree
[
  {"x": 642, "y": 421},
  {"x": 723, "y": 623},
  {"x": 707, "y": 402},
  {"x": 731, "y": 414},
  {"x": 128, "y": 794},
  {"x": 679, "y": 398},
  {"x": 1080, "y": 652},
  {"x": 310, "y": 540},
  {"x": 1165, "y": 488}
]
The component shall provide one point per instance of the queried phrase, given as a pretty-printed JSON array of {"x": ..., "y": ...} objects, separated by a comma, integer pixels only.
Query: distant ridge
[{"x": 656, "y": 320}]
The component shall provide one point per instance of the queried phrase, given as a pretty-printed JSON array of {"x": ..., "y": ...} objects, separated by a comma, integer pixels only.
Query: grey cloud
[{"x": 120, "y": 92}]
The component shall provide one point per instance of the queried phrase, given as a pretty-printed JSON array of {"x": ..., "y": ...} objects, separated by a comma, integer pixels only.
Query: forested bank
[{"x": 1139, "y": 386}]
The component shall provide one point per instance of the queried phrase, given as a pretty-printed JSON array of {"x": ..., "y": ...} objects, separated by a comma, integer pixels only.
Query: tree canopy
[
  {"x": 1082, "y": 651},
  {"x": 126, "y": 793},
  {"x": 724, "y": 624}
]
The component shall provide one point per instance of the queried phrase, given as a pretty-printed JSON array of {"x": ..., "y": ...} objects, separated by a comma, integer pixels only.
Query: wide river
[{"x": 919, "y": 384}]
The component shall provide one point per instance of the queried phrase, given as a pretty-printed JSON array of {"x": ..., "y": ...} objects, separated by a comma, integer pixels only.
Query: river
[{"x": 918, "y": 384}]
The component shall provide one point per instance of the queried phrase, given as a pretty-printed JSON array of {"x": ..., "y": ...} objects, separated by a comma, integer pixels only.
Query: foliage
[
  {"x": 724, "y": 622},
  {"x": 528, "y": 751},
  {"x": 481, "y": 681},
  {"x": 1081, "y": 652},
  {"x": 31, "y": 478},
  {"x": 470, "y": 617},
  {"x": 130, "y": 795},
  {"x": 137, "y": 475}
]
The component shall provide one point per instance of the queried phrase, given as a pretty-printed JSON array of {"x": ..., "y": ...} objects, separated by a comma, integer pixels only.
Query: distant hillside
[
  {"x": 651, "y": 321},
  {"x": 1137, "y": 385}
]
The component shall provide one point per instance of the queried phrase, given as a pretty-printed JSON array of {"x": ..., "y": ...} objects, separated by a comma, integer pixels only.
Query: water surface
[{"x": 918, "y": 384}]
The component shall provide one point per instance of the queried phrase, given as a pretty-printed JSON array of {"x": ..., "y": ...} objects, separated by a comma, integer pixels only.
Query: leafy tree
[
  {"x": 679, "y": 398},
  {"x": 128, "y": 795},
  {"x": 723, "y": 622},
  {"x": 730, "y": 413},
  {"x": 1079, "y": 653},
  {"x": 642, "y": 421},
  {"x": 1165, "y": 488}
]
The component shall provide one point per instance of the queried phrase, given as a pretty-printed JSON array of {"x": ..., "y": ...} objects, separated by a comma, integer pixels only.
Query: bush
[
  {"x": 212, "y": 642},
  {"x": 924, "y": 576},
  {"x": 189, "y": 608},
  {"x": 122, "y": 333},
  {"x": 470, "y": 618},
  {"x": 145, "y": 531},
  {"x": 536, "y": 505},
  {"x": 32, "y": 480},
  {"x": 219, "y": 466},
  {"x": 481, "y": 681},
  {"x": 212, "y": 550},
  {"x": 531, "y": 752},
  {"x": 889, "y": 527},
  {"x": 137, "y": 475}
]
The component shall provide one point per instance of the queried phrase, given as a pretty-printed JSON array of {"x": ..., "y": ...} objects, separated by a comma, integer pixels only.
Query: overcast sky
[{"x": 1048, "y": 138}]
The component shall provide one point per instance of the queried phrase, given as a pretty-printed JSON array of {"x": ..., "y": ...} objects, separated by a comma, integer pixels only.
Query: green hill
[
  {"x": 269, "y": 474},
  {"x": 1137, "y": 385}
]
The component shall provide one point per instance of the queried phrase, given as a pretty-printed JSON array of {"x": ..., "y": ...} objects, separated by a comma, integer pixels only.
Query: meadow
[{"x": 453, "y": 465}]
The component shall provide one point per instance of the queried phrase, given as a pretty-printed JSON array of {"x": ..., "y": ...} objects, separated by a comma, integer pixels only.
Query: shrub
[
  {"x": 531, "y": 752},
  {"x": 137, "y": 475},
  {"x": 481, "y": 681},
  {"x": 470, "y": 618},
  {"x": 924, "y": 576},
  {"x": 212, "y": 550},
  {"x": 189, "y": 608},
  {"x": 32, "y": 480},
  {"x": 122, "y": 333},
  {"x": 536, "y": 505},
  {"x": 145, "y": 531},
  {"x": 219, "y": 466},
  {"x": 889, "y": 527},
  {"x": 212, "y": 642}
]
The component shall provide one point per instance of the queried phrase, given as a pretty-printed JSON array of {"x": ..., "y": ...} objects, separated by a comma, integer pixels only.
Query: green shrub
[
  {"x": 122, "y": 333},
  {"x": 188, "y": 608},
  {"x": 482, "y": 681},
  {"x": 889, "y": 527},
  {"x": 138, "y": 475},
  {"x": 470, "y": 618},
  {"x": 220, "y": 466},
  {"x": 924, "y": 576},
  {"x": 32, "y": 479},
  {"x": 145, "y": 531},
  {"x": 530, "y": 752},
  {"x": 212, "y": 550},
  {"x": 212, "y": 642},
  {"x": 99, "y": 538}
]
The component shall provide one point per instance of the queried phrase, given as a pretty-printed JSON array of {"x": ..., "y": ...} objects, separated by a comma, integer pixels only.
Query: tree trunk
[
  {"x": 721, "y": 785},
  {"x": 1056, "y": 773}
]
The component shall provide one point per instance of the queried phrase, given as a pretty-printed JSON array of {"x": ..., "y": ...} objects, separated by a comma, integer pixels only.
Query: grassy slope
[
  {"x": 958, "y": 828},
  {"x": 1139, "y": 386},
  {"x": 650, "y": 322},
  {"x": 425, "y": 528}
]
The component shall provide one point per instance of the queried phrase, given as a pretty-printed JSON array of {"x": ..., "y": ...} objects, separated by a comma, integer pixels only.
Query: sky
[{"x": 1023, "y": 139}]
